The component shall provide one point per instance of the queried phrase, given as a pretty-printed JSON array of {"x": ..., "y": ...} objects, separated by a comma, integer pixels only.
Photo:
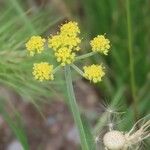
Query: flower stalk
[
  {"x": 85, "y": 56},
  {"x": 77, "y": 69},
  {"x": 74, "y": 108}
]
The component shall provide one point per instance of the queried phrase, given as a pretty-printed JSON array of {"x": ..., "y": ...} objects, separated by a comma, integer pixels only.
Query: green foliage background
[{"x": 18, "y": 23}]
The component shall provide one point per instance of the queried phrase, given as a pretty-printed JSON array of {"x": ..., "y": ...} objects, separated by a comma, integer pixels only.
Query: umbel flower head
[
  {"x": 65, "y": 56},
  {"x": 61, "y": 40},
  {"x": 43, "y": 71},
  {"x": 94, "y": 72},
  {"x": 65, "y": 45},
  {"x": 100, "y": 44},
  {"x": 70, "y": 29},
  {"x": 35, "y": 45}
]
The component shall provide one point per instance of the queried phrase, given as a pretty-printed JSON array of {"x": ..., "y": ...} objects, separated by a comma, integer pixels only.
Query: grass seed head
[{"x": 114, "y": 140}]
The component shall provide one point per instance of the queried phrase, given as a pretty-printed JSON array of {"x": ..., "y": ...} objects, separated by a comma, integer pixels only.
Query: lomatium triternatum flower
[
  {"x": 65, "y": 56},
  {"x": 70, "y": 29},
  {"x": 94, "y": 72},
  {"x": 100, "y": 44},
  {"x": 65, "y": 45},
  {"x": 43, "y": 71},
  {"x": 35, "y": 45}
]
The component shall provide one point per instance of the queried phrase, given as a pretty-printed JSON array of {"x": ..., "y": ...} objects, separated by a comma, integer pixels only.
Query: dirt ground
[{"x": 54, "y": 129}]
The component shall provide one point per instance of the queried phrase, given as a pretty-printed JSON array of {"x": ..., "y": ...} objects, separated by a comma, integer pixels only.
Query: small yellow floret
[
  {"x": 35, "y": 45},
  {"x": 100, "y": 44},
  {"x": 94, "y": 72},
  {"x": 65, "y": 56},
  {"x": 71, "y": 29},
  {"x": 43, "y": 71}
]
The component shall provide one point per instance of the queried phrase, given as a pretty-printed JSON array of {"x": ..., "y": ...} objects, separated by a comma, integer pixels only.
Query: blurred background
[{"x": 34, "y": 115}]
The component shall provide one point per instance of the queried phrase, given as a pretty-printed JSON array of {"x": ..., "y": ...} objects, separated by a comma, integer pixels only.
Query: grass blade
[{"x": 16, "y": 126}]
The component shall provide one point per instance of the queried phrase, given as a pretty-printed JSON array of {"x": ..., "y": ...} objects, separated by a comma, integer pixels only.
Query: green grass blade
[
  {"x": 22, "y": 15},
  {"x": 131, "y": 61},
  {"x": 16, "y": 126}
]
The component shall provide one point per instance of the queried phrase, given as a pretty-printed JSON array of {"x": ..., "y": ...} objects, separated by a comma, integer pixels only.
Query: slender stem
[
  {"x": 56, "y": 69},
  {"x": 74, "y": 108},
  {"x": 131, "y": 61},
  {"x": 77, "y": 69},
  {"x": 85, "y": 55}
]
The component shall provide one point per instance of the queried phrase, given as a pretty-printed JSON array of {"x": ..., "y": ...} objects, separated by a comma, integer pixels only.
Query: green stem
[
  {"x": 56, "y": 69},
  {"x": 131, "y": 61},
  {"x": 77, "y": 69},
  {"x": 74, "y": 108},
  {"x": 85, "y": 55}
]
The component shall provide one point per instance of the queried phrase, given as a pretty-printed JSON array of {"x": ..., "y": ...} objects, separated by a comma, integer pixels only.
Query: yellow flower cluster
[
  {"x": 58, "y": 41},
  {"x": 94, "y": 72},
  {"x": 65, "y": 43},
  {"x": 43, "y": 71},
  {"x": 65, "y": 56},
  {"x": 35, "y": 45},
  {"x": 70, "y": 28},
  {"x": 100, "y": 44}
]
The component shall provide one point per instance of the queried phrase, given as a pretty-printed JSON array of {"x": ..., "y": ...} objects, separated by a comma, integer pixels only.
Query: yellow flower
[
  {"x": 67, "y": 37},
  {"x": 94, "y": 72},
  {"x": 71, "y": 29},
  {"x": 35, "y": 45},
  {"x": 100, "y": 44},
  {"x": 43, "y": 71},
  {"x": 65, "y": 56},
  {"x": 58, "y": 41},
  {"x": 55, "y": 42}
]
